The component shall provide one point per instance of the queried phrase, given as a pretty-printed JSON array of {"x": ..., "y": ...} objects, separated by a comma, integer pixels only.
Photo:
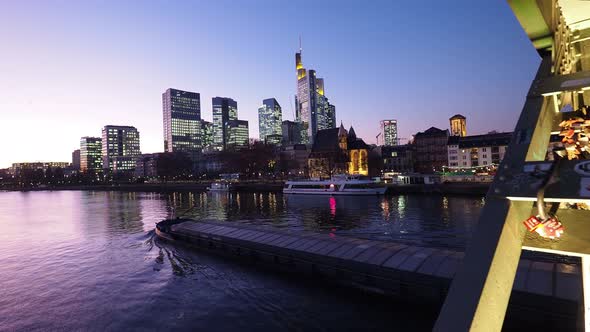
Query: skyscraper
[
  {"x": 237, "y": 134},
  {"x": 224, "y": 110},
  {"x": 76, "y": 160},
  {"x": 91, "y": 154},
  {"x": 458, "y": 125},
  {"x": 270, "y": 117},
  {"x": 312, "y": 108},
  {"x": 182, "y": 113},
  {"x": 206, "y": 135},
  {"x": 291, "y": 132},
  {"x": 389, "y": 132},
  {"x": 120, "y": 148}
]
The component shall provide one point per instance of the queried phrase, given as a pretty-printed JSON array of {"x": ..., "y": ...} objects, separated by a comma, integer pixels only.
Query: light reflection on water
[
  {"x": 442, "y": 221},
  {"x": 89, "y": 261}
]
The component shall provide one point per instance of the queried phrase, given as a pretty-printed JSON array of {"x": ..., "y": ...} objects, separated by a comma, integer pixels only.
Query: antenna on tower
[{"x": 300, "y": 49}]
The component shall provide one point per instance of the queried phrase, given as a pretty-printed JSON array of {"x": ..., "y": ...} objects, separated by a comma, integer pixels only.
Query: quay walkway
[{"x": 550, "y": 291}]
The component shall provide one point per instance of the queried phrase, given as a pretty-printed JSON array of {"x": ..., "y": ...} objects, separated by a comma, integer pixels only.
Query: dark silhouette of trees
[{"x": 174, "y": 166}]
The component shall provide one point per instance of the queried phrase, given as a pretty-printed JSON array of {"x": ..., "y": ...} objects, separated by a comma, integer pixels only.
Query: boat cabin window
[{"x": 362, "y": 185}]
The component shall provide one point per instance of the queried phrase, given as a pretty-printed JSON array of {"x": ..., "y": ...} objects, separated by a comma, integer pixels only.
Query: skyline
[{"x": 114, "y": 67}]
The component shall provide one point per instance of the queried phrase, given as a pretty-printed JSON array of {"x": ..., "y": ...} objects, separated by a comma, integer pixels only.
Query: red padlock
[
  {"x": 531, "y": 223},
  {"x": 550, "y": 228}
]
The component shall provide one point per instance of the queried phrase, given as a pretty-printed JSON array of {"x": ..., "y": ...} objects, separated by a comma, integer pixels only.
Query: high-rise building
[
  {"x": 206, "y": 135},
  {"x": 389, "y": 132},
  {"x": 458, "y": 125},
  {"x": 91, "y": 154},
  {"x": 326, "y": 112},
  {"x": 312, "y": 108},
  {"x": 76, "y": 160},
  {"x": 120, "y": 148},
  {"x": 291, "y": 131},
  {"x": 237, "y": 134},
  {"x": 182, "y": 113},
  {"x": 224, "y": 110},
  {"x": 270, "y": 117}
]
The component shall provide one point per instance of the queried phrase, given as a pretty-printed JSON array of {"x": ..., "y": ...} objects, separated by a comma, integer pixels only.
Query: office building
[
  {"x": 312, "y": 108},
  {"x": 206, "y": 135},
  {"x": 270, "y": 117},
  {"x": 224, "y": 110},
  {"x": 458, "y": 125},
  {"x": 291, "y": 131},
  {"x": 120, "y": 148},
  {"x": 237, "y": 134},
  {"x": 389, "y": 132},
  {"x": 17, "y": 168},
  {"x": 182, "y": 113},
  {"x": 91, "y": 154},
  {"x": 76, "y": 160}
]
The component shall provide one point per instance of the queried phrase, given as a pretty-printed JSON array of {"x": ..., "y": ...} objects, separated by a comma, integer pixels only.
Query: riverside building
[
  {"x": 120, "y": 148},
  {"x": 182, "y": 115},
  {"x": 91, "y": 154}
]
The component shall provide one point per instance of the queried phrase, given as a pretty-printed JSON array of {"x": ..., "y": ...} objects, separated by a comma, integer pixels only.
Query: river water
[{"x": 77, "y": 260}]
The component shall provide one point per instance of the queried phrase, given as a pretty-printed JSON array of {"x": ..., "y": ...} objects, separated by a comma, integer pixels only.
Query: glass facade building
[
  {"x": 182, "y": 113},
  {"x": 91, "y": 154},
  {"x": 206, "y": 135},
  {"x": 270, "y": 117},
  {"x": 389, "y": 132},
  {"x": 224, "y": 110},
  {"x": 237, "y": 134},
  {"x": 291, "y": 131},
  {"x": 312, "y": 108},
  {"x": 120, "y": 148}
]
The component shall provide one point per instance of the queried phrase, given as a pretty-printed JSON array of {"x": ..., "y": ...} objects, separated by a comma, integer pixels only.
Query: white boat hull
[{"x": 335, "y": 193}]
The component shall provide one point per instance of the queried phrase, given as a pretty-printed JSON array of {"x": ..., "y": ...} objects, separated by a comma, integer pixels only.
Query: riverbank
[{"x": 478, "y": 189}]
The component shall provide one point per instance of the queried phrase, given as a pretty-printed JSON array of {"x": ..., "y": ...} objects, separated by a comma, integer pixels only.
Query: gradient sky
[{"x": 70, "y": 67}]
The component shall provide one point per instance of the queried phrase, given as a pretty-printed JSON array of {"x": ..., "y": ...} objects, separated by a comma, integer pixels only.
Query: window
[
  {"x": 453, "y": 158},
  {"x": 485, "y": 162},
  {"x": 394, "y": 154},
  {"x": 464, "y": 157},
  {"x": 484, "y": 149},
  {"x": 484, "y": 156}
]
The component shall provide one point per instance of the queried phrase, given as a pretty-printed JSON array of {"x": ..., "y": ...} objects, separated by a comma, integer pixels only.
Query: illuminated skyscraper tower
[
  {"x": 224, "y": 110},
  {"x": 389, "y": 132},
  {"x": 270, "y": 117},
  {"x": 182, "y": 113},
  {"x": 312, "y": 108}
]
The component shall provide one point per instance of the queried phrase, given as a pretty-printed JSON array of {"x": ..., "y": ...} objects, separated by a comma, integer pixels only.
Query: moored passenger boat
[{"x": 338, "y": 185}]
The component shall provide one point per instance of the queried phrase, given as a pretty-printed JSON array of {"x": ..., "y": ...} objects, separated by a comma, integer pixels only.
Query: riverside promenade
[{"x": 413, "y": 274}]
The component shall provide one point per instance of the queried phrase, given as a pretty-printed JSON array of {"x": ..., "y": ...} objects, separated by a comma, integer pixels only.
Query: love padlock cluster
[
  {"x": 575, "y": 132},
  {"x": 549, "y": 228}
]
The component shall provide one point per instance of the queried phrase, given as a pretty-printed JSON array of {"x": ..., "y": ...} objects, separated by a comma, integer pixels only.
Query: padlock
[
  {"x": 531, "y": 223},
  {"x": 549, "y": 228}
]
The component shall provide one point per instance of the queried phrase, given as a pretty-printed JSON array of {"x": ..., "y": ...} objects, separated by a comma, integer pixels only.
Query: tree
[{"x": 173, "y": 165}]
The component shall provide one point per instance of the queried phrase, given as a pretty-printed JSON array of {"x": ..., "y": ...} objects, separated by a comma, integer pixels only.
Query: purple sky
[{"x": 68, "y": 68}]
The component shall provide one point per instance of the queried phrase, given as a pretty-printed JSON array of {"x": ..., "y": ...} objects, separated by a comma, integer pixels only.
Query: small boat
[
  {"x": 219, "y": 187},
  {"x": 338, "y": 185}
]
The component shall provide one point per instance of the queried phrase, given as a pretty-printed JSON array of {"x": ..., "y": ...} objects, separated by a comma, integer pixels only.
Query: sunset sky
[{"x": 70, "y": 67}]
